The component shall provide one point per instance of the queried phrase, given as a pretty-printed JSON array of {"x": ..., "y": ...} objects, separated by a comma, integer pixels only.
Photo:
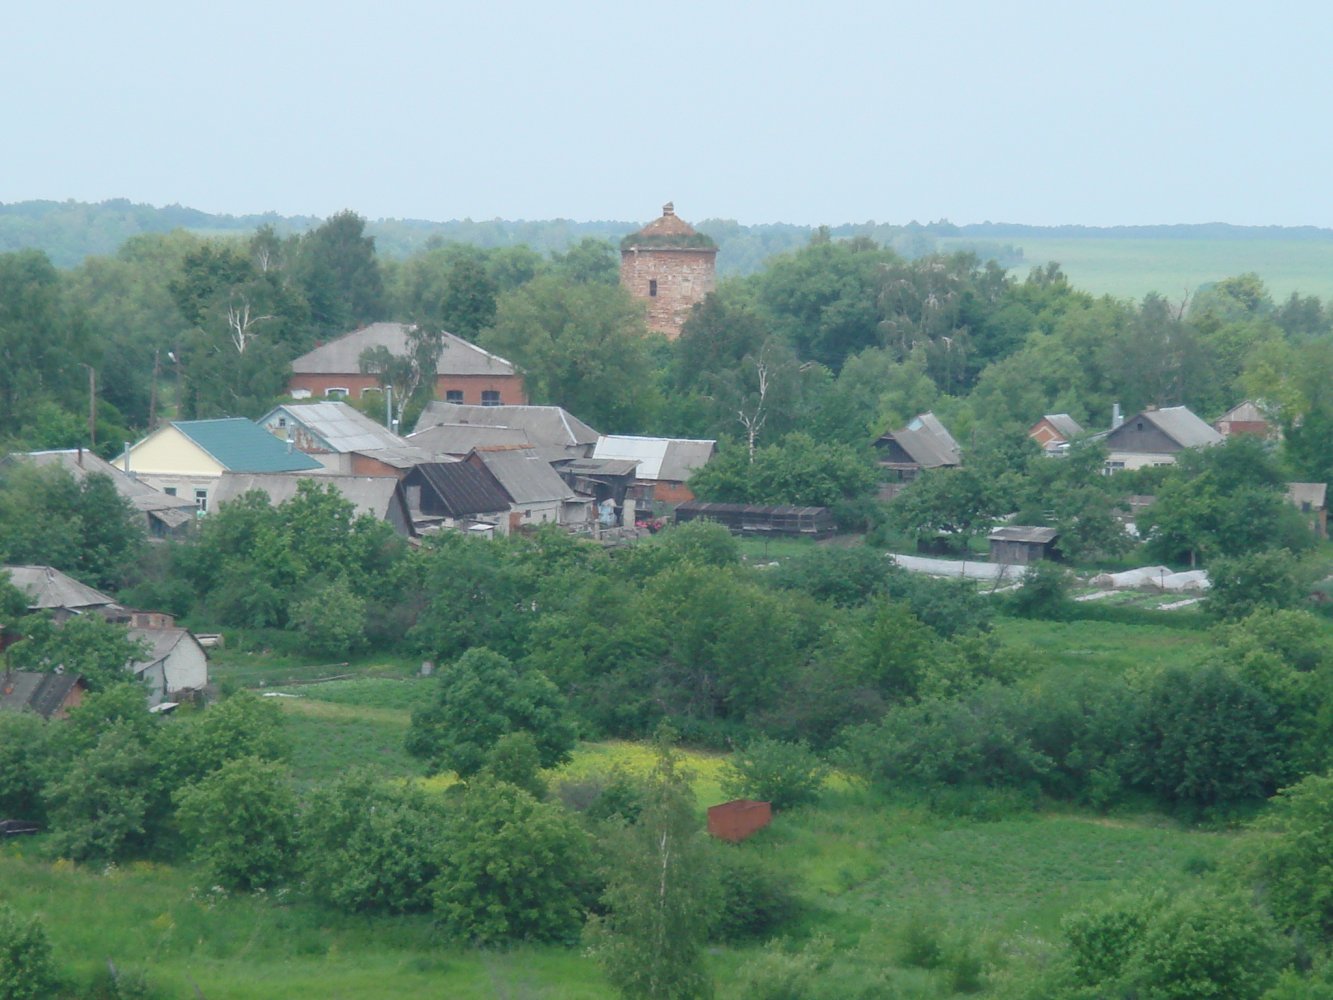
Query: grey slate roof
[
  {"x": 459, "y": 439},
  {"x": 160, "y": 643},
  {"x": 241, "y": 445},
  {"x": 930, "y": 423},
  {"x": 463, "y": 488},
  {"x": 1068, "y": 427},
  {"x": 545, "y": 426},
  {"x": 81, "y": 463},
  {"x": 340, "y": 428},
  {"x": 42, "y": 692},
  {"x": 1179, "y": 423},
  {"x": 343, "y": 355},
  {"x": 49, "y": 588},
  {"x": 525, "y": 475},
  {"x": 373, "y": 495}
]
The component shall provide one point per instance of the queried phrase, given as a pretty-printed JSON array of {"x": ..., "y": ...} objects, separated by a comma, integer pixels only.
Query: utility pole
[
  {"x": 92, "y": 404},
  {"x": 152, "y": 397}
]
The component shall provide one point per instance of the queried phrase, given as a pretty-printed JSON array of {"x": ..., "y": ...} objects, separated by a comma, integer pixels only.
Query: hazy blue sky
[{"x": 1069, "y": 112}]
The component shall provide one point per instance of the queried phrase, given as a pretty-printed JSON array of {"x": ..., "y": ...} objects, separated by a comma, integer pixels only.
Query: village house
[
  {"x": 175, "y": 667},
  {"x": 380, "y": 497},
  {"x": 464, "y": 373},
  {"x": 669, "y": 267},
  {"x": 164, "y": 516},
  {"x": 48, "y": 589},
  {"x": 665, "y": 465},
  {"x": 1156, "y": 437},
  {"x": 1311, "y": 500},
  {"x": 453, "y": 429},
  {"x": 922, "y": 445},
  {"x": 187, "y": 457},
  {"x": 51, "y": 695},
  {"x": 456, "y": 495},
  {"x": 1244, "y": 418},
  {"x": 537, "y": 494},
  {"x": 342, "y": 439},
  {"x": 1054, "y": 431}
]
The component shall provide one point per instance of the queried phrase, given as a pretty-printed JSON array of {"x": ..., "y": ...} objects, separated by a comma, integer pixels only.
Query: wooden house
[
  {"x": 1156, "y": 437},
  {"x": 923, "y": 444},
  {"x": 1021, "y": 545}
]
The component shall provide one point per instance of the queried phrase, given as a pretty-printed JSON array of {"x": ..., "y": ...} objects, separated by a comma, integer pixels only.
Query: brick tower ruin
[{"x": 670, "y": 267}]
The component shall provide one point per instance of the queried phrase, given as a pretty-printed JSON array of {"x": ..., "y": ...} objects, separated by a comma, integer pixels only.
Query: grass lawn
[{"x": 1131, "y": 268}]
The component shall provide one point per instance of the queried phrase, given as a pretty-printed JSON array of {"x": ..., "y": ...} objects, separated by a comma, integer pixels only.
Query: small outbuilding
[
  {"x": 738, "y": 819},
  {"x": 1311, "y": 500},
  {"x": 1021, "y": 545},
  {"x": 50, "y": 695},
  {"x": 761, "y": 519}
]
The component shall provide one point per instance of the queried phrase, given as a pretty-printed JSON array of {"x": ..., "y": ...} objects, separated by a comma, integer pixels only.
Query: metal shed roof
[
  {"x": 241, "y": 445},
  {"x": 525, "y": 475},
  {"x": 669, "y": 459},
  {"x": 341, "y": 428},
  {"x": 373, "y": 495},
  {"x": 47, "y": 587},
  {"x": 545, "y": 426}
]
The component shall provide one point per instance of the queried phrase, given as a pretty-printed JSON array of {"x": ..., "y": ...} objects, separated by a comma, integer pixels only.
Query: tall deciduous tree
[
  {"x": 340, "y": 276},
  {"x": 659, "y": 895}
]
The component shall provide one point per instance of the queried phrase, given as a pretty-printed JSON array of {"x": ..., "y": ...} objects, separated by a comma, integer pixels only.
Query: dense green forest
[{"x": 883, "y": 714}]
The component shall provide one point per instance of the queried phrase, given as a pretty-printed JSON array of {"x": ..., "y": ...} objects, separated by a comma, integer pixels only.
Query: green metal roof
[{"x": 241, "y": 445}]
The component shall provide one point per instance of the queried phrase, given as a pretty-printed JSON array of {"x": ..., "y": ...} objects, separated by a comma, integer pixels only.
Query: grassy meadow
[
  {"x": 876, "y": 876},
  {"x": 1130, "y": 268}
]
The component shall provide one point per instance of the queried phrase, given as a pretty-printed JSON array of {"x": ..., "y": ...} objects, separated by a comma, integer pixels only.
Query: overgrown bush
[
  {"x": 754, "y": 899},
  {"x": 783, "y": 774},
  {"x": 27, "y": 971},
  {"x": 1044, "y": 592}
]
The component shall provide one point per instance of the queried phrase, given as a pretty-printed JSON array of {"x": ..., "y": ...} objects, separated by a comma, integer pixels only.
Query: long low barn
[{"x": 814, "y": 522}]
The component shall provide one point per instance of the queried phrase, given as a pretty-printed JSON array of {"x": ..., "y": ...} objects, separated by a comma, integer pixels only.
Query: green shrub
[
  {"x": 783, "y": 774},
  {"x": 755, "y": 901},
  {"x": 26, "y": 969}
]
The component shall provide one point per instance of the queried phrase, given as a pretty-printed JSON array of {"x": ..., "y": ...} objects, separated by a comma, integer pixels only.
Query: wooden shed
[{"x": 1022, "y": 545}]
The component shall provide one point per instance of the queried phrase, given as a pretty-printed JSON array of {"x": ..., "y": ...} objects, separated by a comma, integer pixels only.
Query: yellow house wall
[{"x": 169, "y": 452}]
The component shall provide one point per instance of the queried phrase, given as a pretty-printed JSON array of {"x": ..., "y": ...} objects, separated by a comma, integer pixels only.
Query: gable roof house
[
  {"x": 381, "y": 497},
  {"x": 456, "y": 495},
  {"x": 187, "y": 457},
  {"x": 665, "y": 465},
  {"x": 164, "y": 516},
  {"x": 1022, "y": 544},
  {"x": 537, "y": 495},
  {"x": 342, "y": 439},
  {"x": 1244, "y": 418},
  {"x": 175, "y": 666},
  {"x": 1054, "y": 431},
  {"x": 48, "y": 589},
  {"x": 51, "y": 695},
  {"x": 552, "y": 430},
  {"x": 1156, "y": 437},
  {"x": 1311, "y": 499},
  {"x": 922, "y": 444},
  {"x": 464, "y": 373}
]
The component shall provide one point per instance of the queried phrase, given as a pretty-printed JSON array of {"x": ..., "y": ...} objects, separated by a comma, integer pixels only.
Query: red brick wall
[
  {"x": 510, "y": 387},
  {"x": 669, "y": 492},
  {"x": 683, "y": 278}
]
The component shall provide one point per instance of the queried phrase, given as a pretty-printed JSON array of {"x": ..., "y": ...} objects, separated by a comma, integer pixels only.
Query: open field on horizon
[{"x": 1131, "y": 268}]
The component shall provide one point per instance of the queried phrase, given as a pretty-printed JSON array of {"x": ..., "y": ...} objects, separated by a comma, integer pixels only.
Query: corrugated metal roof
[
  {"x": 160, "y": 642},
  {"x": 931, "y": 424},
  {"x": 339, "y": 427},
  {"x": 923, "y": 448},
  {"x": 667, "y": 459},
  {"x": 602, "y": 466},
  {"x": 49, "y": 588},
  {"x": 373, "y": 495},
  {"x": 525, "y": 475},
  {"x": 241, "y": 445},
  {"x": 545, "y": 426},
  {"x": 1039, "y": 536},
  {"x": 343, "y": 356},
  {"x": 463, "y": 488},
  {"x": 42, "y": 692}
]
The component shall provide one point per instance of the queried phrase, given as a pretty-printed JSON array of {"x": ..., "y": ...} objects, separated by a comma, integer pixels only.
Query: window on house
[
  {"x": 652, "y": 287},
  {"x": 453, "y": 395},
  {"x": 336, "y": 392},
  {"x": 169, "y": 490},
  {"x": 371, "y": 388},
  {"x": 490, "y": 397},
  {"x": 201, "y": 501},
  {"x": 282, "y": 421}
]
